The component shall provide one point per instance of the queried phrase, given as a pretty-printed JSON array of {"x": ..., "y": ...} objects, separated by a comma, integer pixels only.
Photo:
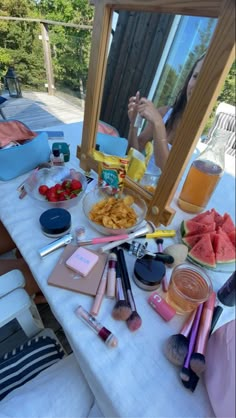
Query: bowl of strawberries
[{"x": 57, "y": 186}]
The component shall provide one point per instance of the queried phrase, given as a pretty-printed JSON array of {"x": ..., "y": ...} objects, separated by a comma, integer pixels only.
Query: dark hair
[{"x": 181, "y": 99}]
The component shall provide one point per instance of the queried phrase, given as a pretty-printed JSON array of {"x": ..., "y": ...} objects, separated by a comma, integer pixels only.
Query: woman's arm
[
  {"x": 155, "y": 117},
  {"x": 139, "y": 142}
]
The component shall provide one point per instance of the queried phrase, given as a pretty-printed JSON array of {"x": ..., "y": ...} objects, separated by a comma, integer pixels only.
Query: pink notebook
[{"x": 62, "y": 276}]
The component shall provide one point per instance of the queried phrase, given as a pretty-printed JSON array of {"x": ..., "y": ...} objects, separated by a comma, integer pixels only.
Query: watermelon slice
[
  {"x": 218, "y": 219},
  {"x": 203, "y": 253},
  {"x": 228, "y": 225},
  {"x": 190, "y": 227},
  {"x": 205, "y": 217},
  {"x": 232, "y": 237},
  {"x": 200, "y": 216},
  {"x": 206, "y": 227},
  {"x": 191, "y": 240},
  {"x": 224, "y": 249}
]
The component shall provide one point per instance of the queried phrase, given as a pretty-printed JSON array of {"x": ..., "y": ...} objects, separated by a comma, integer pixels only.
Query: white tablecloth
[{"x": 134, "y": 379}]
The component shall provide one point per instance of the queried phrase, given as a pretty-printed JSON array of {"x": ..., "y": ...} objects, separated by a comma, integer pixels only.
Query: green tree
[
  {"x": 70, "y": 46},
  {"x": 20, "y": 45},
  {"x": 226, "y": 95}
]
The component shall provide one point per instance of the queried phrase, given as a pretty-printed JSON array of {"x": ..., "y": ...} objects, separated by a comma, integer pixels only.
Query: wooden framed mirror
[{"x": 218, "y": 60}]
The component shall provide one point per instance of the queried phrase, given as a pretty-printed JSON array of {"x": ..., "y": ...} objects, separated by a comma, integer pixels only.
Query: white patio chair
[
  {"x": 225, "y": 119},
  {"x": 38, "y": 379},
  {"x": 15, "y": 303}
]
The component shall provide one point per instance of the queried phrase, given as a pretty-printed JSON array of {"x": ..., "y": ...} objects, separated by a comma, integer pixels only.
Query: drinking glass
[{"x": 189, "y": 287}]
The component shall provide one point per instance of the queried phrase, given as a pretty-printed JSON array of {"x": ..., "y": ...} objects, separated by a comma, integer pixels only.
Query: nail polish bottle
[{"x": 57, "y": 158}]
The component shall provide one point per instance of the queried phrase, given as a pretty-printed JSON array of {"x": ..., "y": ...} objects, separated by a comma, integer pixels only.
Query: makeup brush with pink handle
[
  {"x": 197, "y": 361},
  {"x": 147, "y": 228},
  {"x": 101, "y": 240},
  {"x": 185, "y": 372}
]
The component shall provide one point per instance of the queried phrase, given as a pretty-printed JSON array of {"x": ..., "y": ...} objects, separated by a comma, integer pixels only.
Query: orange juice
[{"x": 199, "y": 185}]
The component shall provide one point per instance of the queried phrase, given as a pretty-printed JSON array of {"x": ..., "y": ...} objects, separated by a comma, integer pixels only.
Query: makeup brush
[
  {"x": 101, "y": 240},
  {"x": 185, "y": 372},
  {"x": 111, "y": 276},
  {"x": 147, "y": 228},
  {"x": 176, "y": 347},
  {"x": 191, "y": 384},
  {"x": 193, "y": 380},
  {"x": 164, "y": 281},
  {"x": 134, "y": 322},
  {"x": 122, "y": 309},
  {"x": 197, "y": 360}
]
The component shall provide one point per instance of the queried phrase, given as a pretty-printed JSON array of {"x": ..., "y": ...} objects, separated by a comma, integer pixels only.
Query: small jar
[
  {"x": 57, "y": 158},
  {"x": 148, "y": 273}
]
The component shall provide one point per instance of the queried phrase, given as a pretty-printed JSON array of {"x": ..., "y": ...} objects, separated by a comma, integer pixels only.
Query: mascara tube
[{"x": 106, "y": 336}]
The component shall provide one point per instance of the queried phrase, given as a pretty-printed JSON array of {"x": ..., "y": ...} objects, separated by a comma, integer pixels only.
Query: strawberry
[
  {"x": 66, "y": 184},
  {"x": 43, "y": 189},
  {"x": 76, "y": 185}
]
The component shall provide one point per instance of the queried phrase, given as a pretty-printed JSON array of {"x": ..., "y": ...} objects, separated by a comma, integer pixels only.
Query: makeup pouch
[
  {"x": 14, "y": 131},
  {"x": 21, "y": 158},
  {"x": 220, "y": 370}
]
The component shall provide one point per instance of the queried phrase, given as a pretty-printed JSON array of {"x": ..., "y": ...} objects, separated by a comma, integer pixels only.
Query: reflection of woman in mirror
[{"x": 162, "y": 122}]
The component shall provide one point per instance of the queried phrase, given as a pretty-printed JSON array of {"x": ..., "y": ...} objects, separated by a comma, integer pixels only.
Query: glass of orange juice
[
  {"x": 189, "y": 287},
  {"x": 199, "y": 185}
]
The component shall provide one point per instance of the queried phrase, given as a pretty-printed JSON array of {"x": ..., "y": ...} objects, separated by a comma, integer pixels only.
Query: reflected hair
[{"x": 181, "y": 99}]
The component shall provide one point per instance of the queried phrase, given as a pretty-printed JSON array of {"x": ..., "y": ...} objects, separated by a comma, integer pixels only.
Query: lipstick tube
[{"x": 106, "y": 336}]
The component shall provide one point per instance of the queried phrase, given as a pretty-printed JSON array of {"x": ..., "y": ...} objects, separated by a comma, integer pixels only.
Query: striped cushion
[
  {"x": 227, "y": 122},
  {"x": 25, "y": 362}
]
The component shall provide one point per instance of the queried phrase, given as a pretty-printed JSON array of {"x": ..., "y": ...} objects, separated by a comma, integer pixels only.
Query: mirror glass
[{"x": 152, "y": 53}]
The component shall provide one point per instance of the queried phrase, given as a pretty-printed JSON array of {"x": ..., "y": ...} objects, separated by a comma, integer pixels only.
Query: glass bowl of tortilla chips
[{"x": 114, "y": 213}]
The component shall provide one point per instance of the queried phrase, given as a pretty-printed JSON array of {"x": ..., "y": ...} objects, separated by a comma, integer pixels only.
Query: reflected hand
[
  {"x": 132, "y": 107},
  {"x": 148, "y": 111}
]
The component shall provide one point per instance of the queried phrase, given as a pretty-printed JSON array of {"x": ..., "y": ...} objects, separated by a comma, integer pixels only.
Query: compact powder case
[
  {"x": 148, "y": 273},
  {"x": 55, "y": 222}
]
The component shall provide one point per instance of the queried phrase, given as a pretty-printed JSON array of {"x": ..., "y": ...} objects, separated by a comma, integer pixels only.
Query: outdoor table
[{"x": 134, "y": 379}]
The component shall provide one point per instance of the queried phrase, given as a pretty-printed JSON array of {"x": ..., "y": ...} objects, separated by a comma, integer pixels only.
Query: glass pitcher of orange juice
[{"x": 204, "y": 174}]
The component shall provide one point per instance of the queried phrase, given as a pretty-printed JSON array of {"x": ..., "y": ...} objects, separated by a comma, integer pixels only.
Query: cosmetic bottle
[
  {"x": 227, "y": 293},
  {"x": 207, "y": 169},
  {"x": 106, "y": 336},
  {"x": 57, "y": 158}
]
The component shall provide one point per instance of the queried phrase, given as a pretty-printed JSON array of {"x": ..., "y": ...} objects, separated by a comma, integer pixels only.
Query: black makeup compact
[
  {"x": 148, "y": 273},
  {"x": 55, "y": 222}
]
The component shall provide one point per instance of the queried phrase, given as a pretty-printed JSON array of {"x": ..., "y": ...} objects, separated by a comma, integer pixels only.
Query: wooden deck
[{"x": 39, "y": 110}]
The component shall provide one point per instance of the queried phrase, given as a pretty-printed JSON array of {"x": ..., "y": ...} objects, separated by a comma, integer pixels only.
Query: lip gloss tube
[
  {"x": 111, "y": 276},
  {"x": 100, "y": 292},
  {"x": 106, "y": 336}
]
